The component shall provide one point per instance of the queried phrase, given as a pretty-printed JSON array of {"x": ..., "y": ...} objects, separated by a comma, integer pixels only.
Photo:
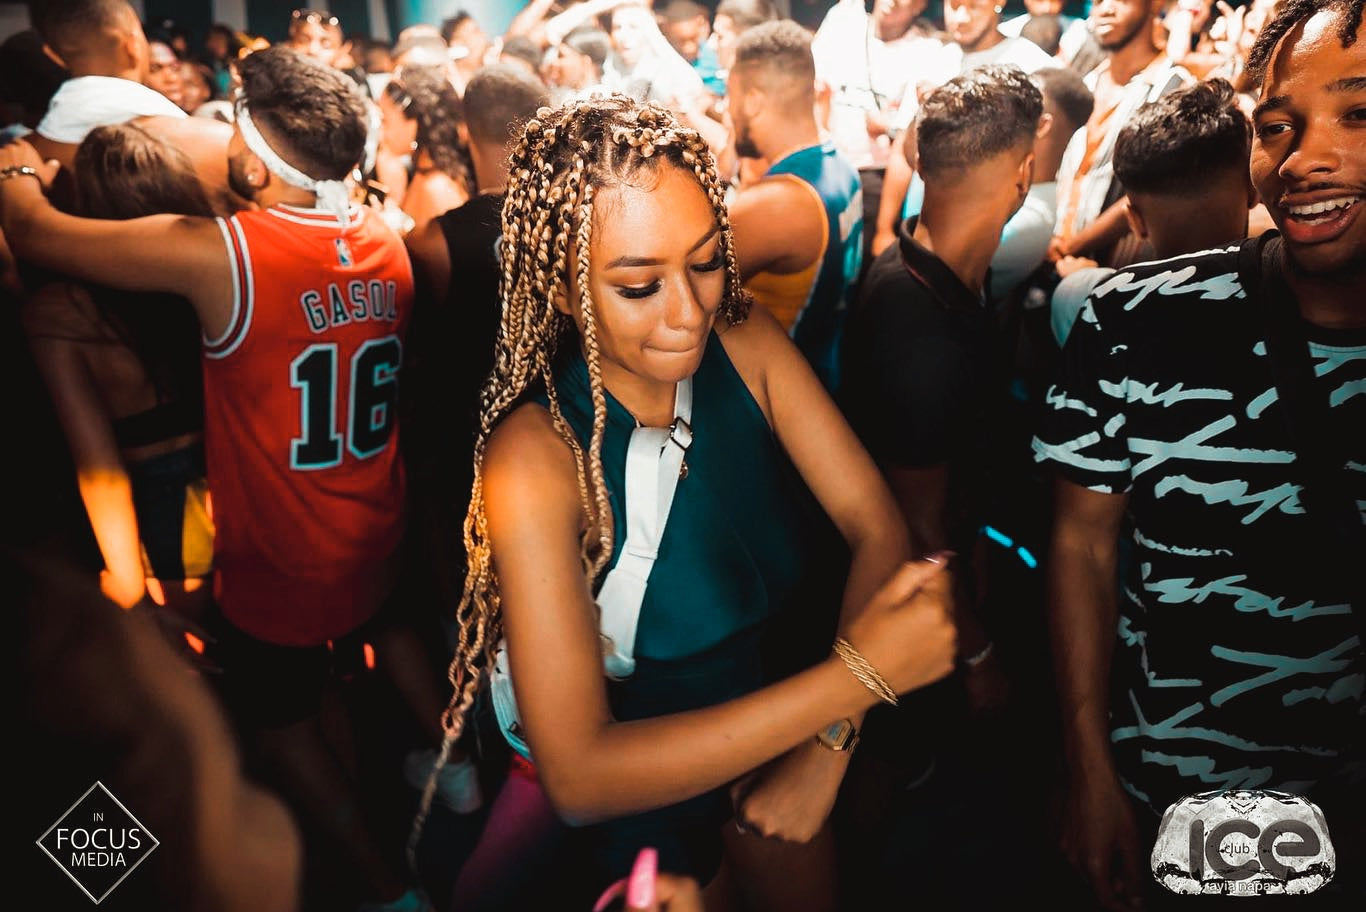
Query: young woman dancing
[{"x": 623, "y": 313}]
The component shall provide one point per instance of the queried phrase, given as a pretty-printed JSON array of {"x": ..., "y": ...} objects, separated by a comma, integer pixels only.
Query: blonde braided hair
[{"x": 564, "y": 156}]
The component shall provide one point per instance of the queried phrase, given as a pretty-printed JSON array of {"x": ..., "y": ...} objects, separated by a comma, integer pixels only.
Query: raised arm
[
  {"x": 793, "y": 800},
  {"x": 896, "y": 183},
  {"x": 594, "y": 768},
  {"x": 171, "y": 253},
  {"x": 563, "y": 23},
  {"x": 530, "y": 19},
  {"x": 825, "y": 451}
]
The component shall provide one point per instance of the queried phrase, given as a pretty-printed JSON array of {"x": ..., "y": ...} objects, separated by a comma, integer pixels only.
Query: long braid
[
  {"x": 562, "y": 157},
  {"x": 600, "y": 511}
]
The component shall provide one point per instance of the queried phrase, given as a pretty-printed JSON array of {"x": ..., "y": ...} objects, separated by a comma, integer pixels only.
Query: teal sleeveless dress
[{"x": 735, "y": 554}]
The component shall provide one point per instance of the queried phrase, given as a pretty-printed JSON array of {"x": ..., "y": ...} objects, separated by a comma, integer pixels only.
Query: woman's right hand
[{"x": 906, "y": 631}]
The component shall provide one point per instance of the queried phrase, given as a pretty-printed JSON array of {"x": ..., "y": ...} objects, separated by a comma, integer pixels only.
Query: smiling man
[{"x": 1219, "y": 399}]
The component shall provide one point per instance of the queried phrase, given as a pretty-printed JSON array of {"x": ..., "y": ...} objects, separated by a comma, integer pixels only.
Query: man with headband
[{"x": 303, "y": 303}]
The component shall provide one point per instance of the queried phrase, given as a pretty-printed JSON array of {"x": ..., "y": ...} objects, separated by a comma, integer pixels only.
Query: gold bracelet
[{"x": 864, "y": 671}]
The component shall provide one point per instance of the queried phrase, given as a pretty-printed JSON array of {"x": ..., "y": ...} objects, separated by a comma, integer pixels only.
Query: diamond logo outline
[{"x": 67, "y": 871}]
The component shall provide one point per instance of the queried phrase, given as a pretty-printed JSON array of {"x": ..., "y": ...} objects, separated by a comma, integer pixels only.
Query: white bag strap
[{"x": 654, "y": 460}]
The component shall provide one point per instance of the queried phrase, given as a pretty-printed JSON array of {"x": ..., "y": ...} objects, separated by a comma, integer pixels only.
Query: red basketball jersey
[{"x": 301, "y": 422}]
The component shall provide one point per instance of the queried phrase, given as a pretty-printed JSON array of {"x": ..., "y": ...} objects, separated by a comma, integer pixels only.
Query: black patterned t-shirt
[{"x": 1236, "y": 666}]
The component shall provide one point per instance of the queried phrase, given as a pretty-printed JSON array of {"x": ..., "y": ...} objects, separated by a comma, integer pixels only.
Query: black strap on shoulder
[{"x": 1319, "y": 447}]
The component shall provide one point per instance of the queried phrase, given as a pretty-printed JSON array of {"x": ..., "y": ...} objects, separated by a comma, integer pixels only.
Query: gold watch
[{"x": 839, "y": 736}]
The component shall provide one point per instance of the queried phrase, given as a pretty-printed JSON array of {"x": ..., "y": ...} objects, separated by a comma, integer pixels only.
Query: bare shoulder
[
  {"x": 427, "y": 243},
  {"x": 755, "y": 346},
  {"x": 774, "y": 194},
  {"x": 529, "y": 468},
  {"x": 431, "y": 259}
]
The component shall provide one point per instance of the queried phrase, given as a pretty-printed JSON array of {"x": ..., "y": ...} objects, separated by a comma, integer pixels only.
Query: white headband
[{"x": 332, "y": 194}]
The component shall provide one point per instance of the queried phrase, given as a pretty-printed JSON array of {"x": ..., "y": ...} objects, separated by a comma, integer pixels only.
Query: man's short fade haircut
[
  {"x": 746, "y": 14},
  {"x": 1291, "y": 13},
  {"x": 781, "y": 47},
  {"x": 1065, "y": 89},
  {"x": 309, "y": 109},
  {"x": 1176, "y": 144},
  {"x": 68, "y": 25},
  {"x": 975, "y": 117},
  {"x": 499, "y": 99}
]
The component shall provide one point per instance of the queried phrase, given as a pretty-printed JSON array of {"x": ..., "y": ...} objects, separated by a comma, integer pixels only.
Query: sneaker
[
  {"x": 413, "y": 900},
  {"x": 457, "y": 787}
]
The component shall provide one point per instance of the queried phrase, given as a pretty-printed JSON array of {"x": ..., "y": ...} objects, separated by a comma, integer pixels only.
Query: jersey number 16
[{"x": 370, "y": 411}]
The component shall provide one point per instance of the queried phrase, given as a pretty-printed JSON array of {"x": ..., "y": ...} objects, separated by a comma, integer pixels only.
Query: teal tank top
[
  {"x": 731, "y": 554},
  {"x": 745, "y": 542},
  {"x": 820, "y": 325}
]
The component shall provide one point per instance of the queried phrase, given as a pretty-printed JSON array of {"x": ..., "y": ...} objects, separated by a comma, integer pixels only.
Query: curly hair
[
  {"x": 1291, "y": 13},
  {"x": 1179, "y": 143},
  {"x": 565, "y": 156},
  {"x": 427, "y": 96}
]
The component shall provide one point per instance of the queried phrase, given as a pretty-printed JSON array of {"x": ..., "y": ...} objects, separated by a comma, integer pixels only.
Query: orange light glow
[
  {"x": 155, "y": 592},
  {"x": 195, "y": 642},
  {"x": 369, "y": 656}
]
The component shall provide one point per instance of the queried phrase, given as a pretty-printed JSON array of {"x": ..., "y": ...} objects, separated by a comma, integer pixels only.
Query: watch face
[{"x": 838, "y": 735}]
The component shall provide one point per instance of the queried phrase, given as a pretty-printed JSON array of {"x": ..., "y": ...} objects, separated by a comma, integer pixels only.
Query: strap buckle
[{"x": 680, "y": 434}]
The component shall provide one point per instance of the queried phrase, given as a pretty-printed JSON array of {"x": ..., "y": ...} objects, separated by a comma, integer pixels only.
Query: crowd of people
[{"x": 823, "y": 452}]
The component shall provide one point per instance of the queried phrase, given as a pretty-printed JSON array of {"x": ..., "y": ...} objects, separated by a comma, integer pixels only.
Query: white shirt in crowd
[
  {"x": 1074, "y": 32},
  {"x": 656, "y": 77},
  {"x": 1082, "y": 197},
  {"x": 951, "y": 60},
  {"x": 1024, "y": 240},
  {"x": 865, "y": 74},
  {"x": 86, "y": 102}
]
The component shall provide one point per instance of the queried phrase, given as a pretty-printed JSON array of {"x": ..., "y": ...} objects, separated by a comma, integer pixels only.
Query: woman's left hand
[{"x": 790, "y": 797}]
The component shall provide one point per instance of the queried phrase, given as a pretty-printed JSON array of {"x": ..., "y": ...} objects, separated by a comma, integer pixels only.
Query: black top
[
  {"x": 923, "y": 382},
  {"x": 449, "y": 354},
  {"x": 473, "y": 310},
  {"x": 1238, "y": 664},
  {"x": 160, "y": 422}
]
